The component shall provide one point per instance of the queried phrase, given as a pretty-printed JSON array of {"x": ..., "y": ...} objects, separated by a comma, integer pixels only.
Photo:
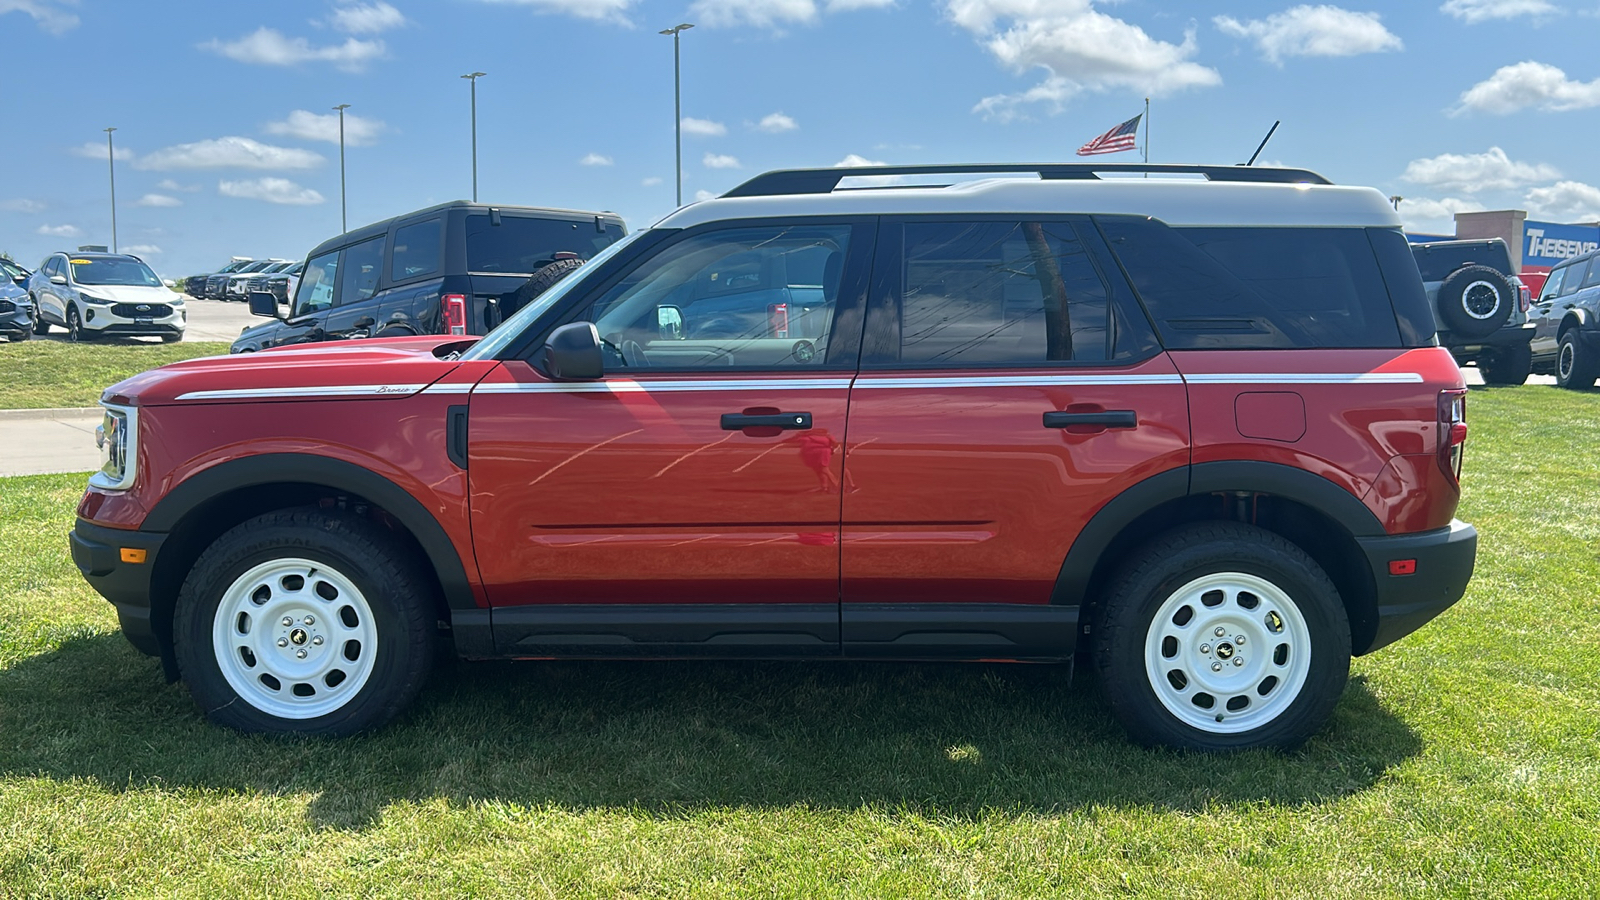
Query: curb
[{"x": 71, "y": 412}]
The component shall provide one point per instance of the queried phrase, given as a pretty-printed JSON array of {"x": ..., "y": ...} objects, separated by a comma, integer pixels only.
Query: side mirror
[
  {"x": 669, "y": 323},
  {"x": 572, "y": 353},
  {"x": 262, "y": 303},
  {"x": 58, "y": 279}
]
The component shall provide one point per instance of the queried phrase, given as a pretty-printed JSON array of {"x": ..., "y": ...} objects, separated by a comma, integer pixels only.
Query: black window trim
[
  {"x": 855, "y": 276},
  {"x": 1121, "y": 299}
]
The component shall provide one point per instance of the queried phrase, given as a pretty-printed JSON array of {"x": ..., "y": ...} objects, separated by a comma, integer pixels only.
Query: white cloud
[
  {"x": 595, "y": 159},
  {"x": 167, "y": 184},
  {"x": 364, "y": 18},
  {"x": 720, "y": 161},
  {"x": 1528, "y": 85},
  {"x": 773, "y": 13},
  {"x": 1471, "y": 173},
  {"x": 704, "y": 195},
  {"x": 1428, "y": 216},
  {"x": 703, "y": 127},
  {"x": 47, "y": 14},
  {"x": 97, "y": 150},
  {"x": 270, "y": 47},
  {"x": 23, "y": 205},
  {"x": 1569, "y": 201},
  {"x": 161, "y": 200},
  {"x": 652, "y": 181},
  {"x": 1475, "y": 11},
  {"x": 607, "y": 10},
  {"x": 777, "y": 123},
  {"x": 309, "y": 126},
  {"x": 1313, "y": 31},
  {"x": 851, "y": 160},
  {"x": 272, "y": 190},
  {"x": 141, "y": 249},
  {"x": 1078, "y": 48},
  {"x": 69, "y": 231},
  {"x": 228, "y": 153}
]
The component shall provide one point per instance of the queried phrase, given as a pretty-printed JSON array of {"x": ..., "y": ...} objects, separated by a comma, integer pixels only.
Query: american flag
[{"x": 1117, "y": 139}]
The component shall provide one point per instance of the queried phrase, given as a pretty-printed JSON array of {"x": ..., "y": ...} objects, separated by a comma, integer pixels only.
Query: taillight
[
  {"x": 1524, "y": 296},
  {"x": 1452, "y": 432},
  {"x": 454, "y": 308},
  {"x": 778, "y": 319}
]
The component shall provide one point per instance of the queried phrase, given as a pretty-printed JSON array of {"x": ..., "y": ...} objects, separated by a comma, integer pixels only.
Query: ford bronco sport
[{"x": 1194, "y": 428}]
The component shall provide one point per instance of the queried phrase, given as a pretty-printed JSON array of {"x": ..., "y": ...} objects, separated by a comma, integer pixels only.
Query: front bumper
[
  {"x": 98, "y": 553},
  {"x": 1443, "y": 565}
]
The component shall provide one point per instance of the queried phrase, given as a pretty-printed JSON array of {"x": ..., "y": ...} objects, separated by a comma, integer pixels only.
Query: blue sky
[{"x": 227, "y": 143}]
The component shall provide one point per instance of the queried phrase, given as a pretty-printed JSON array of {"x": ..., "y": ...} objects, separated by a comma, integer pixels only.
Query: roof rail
[{"x": 823, "y": 181}]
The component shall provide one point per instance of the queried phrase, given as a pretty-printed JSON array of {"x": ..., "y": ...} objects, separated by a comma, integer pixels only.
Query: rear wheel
[
  {"x": 1506, "y": 365},
  {"x": 1575, "y": 365},
  {"x": 304, "y": 622},
  {"x": 1223, "y": 636}
]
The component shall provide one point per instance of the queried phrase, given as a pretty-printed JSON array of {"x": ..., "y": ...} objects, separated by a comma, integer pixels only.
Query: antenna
[{"x": 1264, "y": 142}]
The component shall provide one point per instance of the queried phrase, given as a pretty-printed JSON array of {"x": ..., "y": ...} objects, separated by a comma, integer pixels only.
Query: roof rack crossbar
[{"x": 824, "y": 181}]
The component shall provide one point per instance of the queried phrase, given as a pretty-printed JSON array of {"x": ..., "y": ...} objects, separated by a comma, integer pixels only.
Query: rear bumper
[
  {"x": 1444, "y": 560},
  {"x": 97, "y": 552},
  {"x": 1507, "y": 336}
]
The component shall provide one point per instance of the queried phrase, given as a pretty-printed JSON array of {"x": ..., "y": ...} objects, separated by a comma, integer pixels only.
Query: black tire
[
  {"x": 1576, "y": 366},
  {"x": 1475, "y": 301},
  {"x": 1289, "y": 589},
  {"x": 40, "y": 326},
  {"x": 541, "y": 281},
  {"x": 171, "y": 338},
  {"x": 75, "y": 332},
  {"x": 374, "y": 571},
  {"x": 1510, "y": 364}
]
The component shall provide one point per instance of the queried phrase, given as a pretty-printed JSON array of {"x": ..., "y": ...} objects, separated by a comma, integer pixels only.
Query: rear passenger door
[{"x": 1009, "y": 388}]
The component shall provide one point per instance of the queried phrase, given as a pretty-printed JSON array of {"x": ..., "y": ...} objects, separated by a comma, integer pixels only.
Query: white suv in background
[{"x": 97, "y": 294}]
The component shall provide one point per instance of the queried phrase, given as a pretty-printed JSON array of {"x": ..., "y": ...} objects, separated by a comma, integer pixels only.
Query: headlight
[
  {"x": 118, "y": 440},
  {"x": 88, "y": 299}
]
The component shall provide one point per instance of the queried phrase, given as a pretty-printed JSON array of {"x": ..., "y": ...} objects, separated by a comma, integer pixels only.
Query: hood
[
  {"x": 340, "y": 371},
  {"x": 12, "y": 291},
  {"x": 130, "y": 293}
]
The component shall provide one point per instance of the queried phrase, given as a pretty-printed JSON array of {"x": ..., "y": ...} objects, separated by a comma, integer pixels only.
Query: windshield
[
  {"x": 113, "y": 271},
  {"x": 508, "y": 330}
]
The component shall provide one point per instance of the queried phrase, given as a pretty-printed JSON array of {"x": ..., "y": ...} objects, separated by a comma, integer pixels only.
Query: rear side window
[
  {"x": 359, "y": 275},
  {"x": 1575, "y": 278},
  {"x": 1256, "y": 288},
  {"x": 1593, "y": 278},
  {"x": 521, "y": 245},
  {"x": 416, "y": 251}
]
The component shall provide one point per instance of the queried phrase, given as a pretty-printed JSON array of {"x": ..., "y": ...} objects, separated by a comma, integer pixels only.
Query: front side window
[
  {"x": 1552, "y": 285},
  {"x": 416, "y": 251},
  {"x": 522, "y": 245},
  {"x": 113, "y": 272},
  {"x": 760, "y": 297},
  {"x": 1000, "y": 293},
  {"x": 315, "y": 293},
  {"x": 363, "y": 263}
]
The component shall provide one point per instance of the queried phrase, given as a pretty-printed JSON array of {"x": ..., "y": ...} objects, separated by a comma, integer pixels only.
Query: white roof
[{"x": 1176, "y": 202}]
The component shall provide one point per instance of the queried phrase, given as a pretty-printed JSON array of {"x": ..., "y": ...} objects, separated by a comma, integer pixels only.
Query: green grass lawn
[
  {"x": 51, "y": 374},
  {"x": 1462, "y": 762}
]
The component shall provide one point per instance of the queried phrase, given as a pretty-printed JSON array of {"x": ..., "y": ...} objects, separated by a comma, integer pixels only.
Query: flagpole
[{"x": 1147, "y": 130}]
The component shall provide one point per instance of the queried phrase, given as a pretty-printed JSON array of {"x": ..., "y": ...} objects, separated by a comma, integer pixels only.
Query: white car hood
[{"x": 128, "y": 293}]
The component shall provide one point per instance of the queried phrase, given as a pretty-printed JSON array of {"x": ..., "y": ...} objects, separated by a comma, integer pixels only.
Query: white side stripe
[
  {"x": 336, "y": 390},
  {"x": 1014, "y": 381},
  {"x": 1309, "y": 378},
  {"x": 639, "y": 387},
  {"x": 447, "y": 389}
]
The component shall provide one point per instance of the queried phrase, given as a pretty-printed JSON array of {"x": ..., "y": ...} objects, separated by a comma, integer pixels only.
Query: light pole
[
  {"x": 111, "y": 158},
  {"x": 473, "y": 78},
  {"x": 677, "y": 103},
  {"x": 344, "y": 220}
]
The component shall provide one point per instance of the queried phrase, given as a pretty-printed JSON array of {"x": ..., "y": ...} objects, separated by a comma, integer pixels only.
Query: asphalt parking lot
[{"x": 209, "y": 320}]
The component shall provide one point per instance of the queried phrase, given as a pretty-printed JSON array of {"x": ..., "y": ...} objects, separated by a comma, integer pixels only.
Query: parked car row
[
  {"x": 16, "y": 307},
  {"x": 94, "y": 294}
]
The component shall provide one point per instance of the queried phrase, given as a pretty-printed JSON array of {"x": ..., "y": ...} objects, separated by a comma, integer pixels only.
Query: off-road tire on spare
[
  {"x": 1511, "y": 364},
  {"x": 541, "y": 281},
  {"x": 1576, "y": 367},
  {"x": 1158, "y": 573},
  {"x": 398, "y": 593},
  {"x": 1475, "y": 301}
]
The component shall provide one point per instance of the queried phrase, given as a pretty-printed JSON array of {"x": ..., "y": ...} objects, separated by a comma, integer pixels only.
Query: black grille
[
  {"x": 7, "y": 306},
  {"x": 141, "y": 310}
]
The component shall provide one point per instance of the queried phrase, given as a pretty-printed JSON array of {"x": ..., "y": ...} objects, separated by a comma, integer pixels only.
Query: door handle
[
  {"x": 364, "y": 322},
  {"x": 1110, "y": 418},
  {"x": 798, "y": 421}
]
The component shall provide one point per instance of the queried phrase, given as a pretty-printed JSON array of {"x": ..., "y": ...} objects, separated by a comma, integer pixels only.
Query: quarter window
[
  {"x": 315, "y": 293},
  {"x": 416, "y": 251},
  {"x": 748, "y": 298}
]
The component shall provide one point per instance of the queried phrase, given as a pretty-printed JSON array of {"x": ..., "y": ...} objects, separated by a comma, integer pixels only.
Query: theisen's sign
[{"x": 1546, "y": 243}]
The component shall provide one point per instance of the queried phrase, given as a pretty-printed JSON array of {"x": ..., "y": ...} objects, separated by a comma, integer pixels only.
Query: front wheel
[
  {"x": 1508, "y": 365},
  {"x": 74, "y": 324},
  {"x": 1223, "y": 636},
  {"x": 304, "y": 621},
  {"x": 1575, "y": 365}
]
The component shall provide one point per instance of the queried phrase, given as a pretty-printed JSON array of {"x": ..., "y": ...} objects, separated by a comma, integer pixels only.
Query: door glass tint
[
  {"x": 521, "y": 245},
  {"x": 416, "y": 251},
  {"x": 996, "y": 293},
  {"x": 363, "y": 263},
  {"x": 1256, "y": 288},
  {"x": 1593, "y": 278},
  {"x": 1575, "y": 278},
  {"x": 1552, "y": 285},
  {"x": 747, "y": 298},
  {"x": 316, "y": 285}
]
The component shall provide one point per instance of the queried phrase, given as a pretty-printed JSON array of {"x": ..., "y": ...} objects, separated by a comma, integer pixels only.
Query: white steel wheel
[
  {"x": 294, "y": 638},
  {"x": 1227, "y": 653}
]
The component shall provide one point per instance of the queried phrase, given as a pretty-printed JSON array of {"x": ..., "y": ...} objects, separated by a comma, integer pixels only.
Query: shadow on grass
[{"x": 673, "y": 738}]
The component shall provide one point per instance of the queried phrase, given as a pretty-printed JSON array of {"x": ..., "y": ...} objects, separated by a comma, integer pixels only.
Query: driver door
[{"x": 688, "y": 501}]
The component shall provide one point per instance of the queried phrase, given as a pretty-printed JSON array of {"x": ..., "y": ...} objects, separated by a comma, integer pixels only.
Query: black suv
[
  {"x": 456, "y": 268},
  {"x": 1479, "y": 307},
  {"x": 1566, "y": 321}
]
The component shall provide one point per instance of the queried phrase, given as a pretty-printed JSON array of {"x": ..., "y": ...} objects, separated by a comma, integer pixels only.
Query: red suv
[{"x": 1194, "y": 428}]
